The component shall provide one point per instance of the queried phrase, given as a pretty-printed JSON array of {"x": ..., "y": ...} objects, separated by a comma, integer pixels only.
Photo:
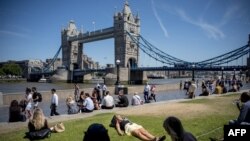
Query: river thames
[{"x": 13, "y": 87}]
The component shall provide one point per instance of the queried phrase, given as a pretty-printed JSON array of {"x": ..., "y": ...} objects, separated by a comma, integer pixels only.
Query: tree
[
  {"x": 12, "y": 68},
  {"x": 1, "y": 72}
]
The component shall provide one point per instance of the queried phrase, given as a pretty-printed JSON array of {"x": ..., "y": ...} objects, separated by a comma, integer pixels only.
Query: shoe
[{"x": 162, "y": 138}]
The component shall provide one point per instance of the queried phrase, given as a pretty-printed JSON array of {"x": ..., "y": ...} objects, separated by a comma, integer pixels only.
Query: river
[{"x": 13, "y": 87}]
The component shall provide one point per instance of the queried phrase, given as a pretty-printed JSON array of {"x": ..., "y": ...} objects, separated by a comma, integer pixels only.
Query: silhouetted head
[
  {"x": 96, "y": 132},
  {"x": 174, "y": 128},
  {"x": 14, "y": 103},
  {"x": 244, "y": 97}
]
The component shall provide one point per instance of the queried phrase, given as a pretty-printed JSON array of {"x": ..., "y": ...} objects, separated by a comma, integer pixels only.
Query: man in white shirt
[
  {"x": 88, "y": 104},
  {"x": 54, "y": 103},
  {"x": 146, "y": 92},
  {"x": 108, "y": 101},
  {"x": 136, "y": 99}
]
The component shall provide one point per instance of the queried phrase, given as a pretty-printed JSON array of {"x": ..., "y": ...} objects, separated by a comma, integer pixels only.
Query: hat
[{"x": 59, "y": 127}]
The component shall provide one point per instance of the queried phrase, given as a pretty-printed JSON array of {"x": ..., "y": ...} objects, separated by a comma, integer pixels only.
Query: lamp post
[
  {"x": 118, "y": 72},
  {"x": 193, "y": 72},
  {"x": 222, "y": 69},
  {"x": 234, "y": 78}
]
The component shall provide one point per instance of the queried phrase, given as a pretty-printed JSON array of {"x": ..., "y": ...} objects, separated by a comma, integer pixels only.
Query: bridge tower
[
  {"x": 71, "y": 51},
  {"x": 125, "y": 49}
]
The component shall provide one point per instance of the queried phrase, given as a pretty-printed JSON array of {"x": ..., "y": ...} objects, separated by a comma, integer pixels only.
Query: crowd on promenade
[{"x": 100, "y": 98}]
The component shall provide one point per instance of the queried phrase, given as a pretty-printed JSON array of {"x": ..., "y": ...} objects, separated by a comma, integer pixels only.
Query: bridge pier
[{"x": 138, "y": 77}]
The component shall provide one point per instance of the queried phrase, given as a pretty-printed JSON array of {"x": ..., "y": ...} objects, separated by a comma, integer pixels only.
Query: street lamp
[
  {"x": 118, "y": 72},
  {"x": 234, "y": 78},
  {"x": 222, "y": 69},
  {"x": 193, "y": 72}
]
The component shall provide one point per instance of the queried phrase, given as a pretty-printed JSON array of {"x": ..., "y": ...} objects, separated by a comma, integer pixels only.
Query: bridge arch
[{"x": 132, "y": 63}]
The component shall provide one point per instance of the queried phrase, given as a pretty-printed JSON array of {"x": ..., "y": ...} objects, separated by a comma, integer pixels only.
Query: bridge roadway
[
  {"x": 164, "y": 68},
  {"x": 198, "y": 68},
  {"x": 161, "y": 96},
  {"x": 79, "y": 72}
]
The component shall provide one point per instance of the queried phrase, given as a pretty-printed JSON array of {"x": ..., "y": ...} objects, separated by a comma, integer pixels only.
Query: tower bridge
[{"x": 128, "y": 42}]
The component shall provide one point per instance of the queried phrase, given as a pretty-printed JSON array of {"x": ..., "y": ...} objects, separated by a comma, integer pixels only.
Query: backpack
[{"x": 40, "y": 98}]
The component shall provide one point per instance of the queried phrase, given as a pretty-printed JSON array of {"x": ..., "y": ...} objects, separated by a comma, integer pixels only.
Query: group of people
[
  {"x": 124, "y": 126},
  {"x": 211, "y": 87},
  {"x": 20, "y": 111},
  {"x": 149, "y": 93}
]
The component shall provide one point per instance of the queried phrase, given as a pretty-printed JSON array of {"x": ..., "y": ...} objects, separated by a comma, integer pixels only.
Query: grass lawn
[{"x": 202, "y": 123}]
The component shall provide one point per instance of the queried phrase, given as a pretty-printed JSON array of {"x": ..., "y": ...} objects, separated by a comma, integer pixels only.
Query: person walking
[
  {"x": 35, "y": 97},
  {"x": 152, "y": 90},
  {"x": 77, "y": 92},
  {"x": 54, "y": 103},
  {"x": 146, "y": 92}
]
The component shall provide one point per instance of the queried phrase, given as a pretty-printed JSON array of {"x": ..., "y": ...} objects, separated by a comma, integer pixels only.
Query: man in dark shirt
[
  {"x": 244, "y": 115},
  {"x": 123, "y": 100}
]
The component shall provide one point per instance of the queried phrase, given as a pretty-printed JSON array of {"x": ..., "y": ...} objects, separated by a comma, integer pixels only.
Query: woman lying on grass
[{"x": 124, "y": 126}]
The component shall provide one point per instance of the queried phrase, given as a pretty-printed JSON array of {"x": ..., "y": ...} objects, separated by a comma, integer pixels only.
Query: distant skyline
[{"x": 187, "y": 29}]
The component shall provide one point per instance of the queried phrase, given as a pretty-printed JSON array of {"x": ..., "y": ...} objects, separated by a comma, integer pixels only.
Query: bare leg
[{"x": 143, "y": 135}]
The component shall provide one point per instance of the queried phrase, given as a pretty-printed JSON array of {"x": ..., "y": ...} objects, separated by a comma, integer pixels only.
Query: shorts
[
  {"x": 28, "y": 107},
  {"x": 130, "y": 127}
]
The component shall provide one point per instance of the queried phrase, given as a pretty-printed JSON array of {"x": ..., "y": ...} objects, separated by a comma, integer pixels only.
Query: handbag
[{"x": 40, "y": 134}]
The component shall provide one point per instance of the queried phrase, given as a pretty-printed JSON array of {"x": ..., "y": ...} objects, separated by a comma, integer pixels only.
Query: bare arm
[{"x": 118, "y": 129}]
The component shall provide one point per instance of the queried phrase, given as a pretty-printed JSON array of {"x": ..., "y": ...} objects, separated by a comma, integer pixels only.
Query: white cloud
[
  {"x": 159, "y": 20},
  {"x": 211, "y": 30},
  {"x": 11, "y": 33},
  {"x": 229, "y": 14}
]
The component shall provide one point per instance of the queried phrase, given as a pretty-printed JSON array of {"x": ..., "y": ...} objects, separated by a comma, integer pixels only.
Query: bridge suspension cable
[
  {"x": 154, "y": 52},
  {"x": 47, "y": 67},
  {"x": 165, "y": 58}
]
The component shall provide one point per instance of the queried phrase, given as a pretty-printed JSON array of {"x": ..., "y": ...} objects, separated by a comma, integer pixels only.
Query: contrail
[{"x": 159, "y": 20}]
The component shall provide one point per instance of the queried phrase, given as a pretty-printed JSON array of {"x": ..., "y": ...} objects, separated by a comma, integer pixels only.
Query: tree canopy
[{"x": 12, "y": 69}]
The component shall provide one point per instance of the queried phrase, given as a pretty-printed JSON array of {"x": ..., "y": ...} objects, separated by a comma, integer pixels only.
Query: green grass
[{"x": 197, "y": 125}]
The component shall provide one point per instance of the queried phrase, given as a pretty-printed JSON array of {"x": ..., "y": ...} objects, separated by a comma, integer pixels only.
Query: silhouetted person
[
  {"x": 96, "y": 132},
  {"x": 174, "y": 128}
]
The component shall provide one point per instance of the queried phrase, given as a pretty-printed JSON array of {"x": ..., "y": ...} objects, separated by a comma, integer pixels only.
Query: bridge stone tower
[
  {"x": 71, "y": 51},
  {"x": 126, "y": 50}
]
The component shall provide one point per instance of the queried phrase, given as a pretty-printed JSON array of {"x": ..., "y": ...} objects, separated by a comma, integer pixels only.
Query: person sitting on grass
[
  {"x": 107, "y": 101},
  {"x": 15, "y": 112},
  {"x": 88, "y": 104},
  {"x": 244, "y": 116},
  {"x": 38, "y": 122},
  {"x": 123, "y": 100},
  {"x": 96, "y": 132},
  {"x": 71, "y": 104},
  {"x": 174, "y": 128},
  {"x": 124, "y": 126},
  {"x": 136, "y": 100}
]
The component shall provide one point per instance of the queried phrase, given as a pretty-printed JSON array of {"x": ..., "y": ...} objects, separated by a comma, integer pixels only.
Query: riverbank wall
[{"x": 5, "y": 99}]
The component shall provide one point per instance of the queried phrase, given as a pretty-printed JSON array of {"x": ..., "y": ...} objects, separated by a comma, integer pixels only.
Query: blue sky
[{"x": 192, "y": 30}]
